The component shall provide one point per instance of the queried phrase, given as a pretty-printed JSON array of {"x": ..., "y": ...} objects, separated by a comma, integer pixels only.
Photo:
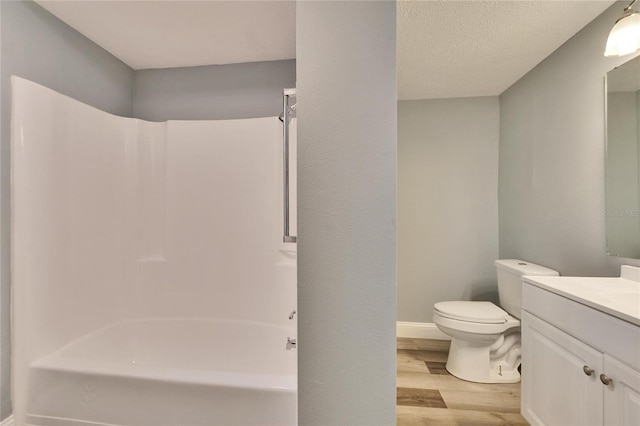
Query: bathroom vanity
[{"x": 581, "y": 350}]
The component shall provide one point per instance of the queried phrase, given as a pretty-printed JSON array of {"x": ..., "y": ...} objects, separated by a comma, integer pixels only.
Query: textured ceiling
[
  {"x": 480, "y": 48},
  {"x": 178, "y": 33},
  {"x": 446, "y": 48}
]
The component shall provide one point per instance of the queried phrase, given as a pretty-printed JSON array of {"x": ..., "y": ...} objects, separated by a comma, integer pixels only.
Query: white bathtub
[{"x": 168, "y": 372}]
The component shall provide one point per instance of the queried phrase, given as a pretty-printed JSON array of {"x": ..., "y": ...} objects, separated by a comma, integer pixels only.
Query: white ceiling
[
  {"x": 446, "y": 48},
  {"x": 179, "y": 33}
]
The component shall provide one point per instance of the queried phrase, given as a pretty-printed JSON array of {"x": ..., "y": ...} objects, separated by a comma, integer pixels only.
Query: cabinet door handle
[
  {"x": 605, "y": 380},
  {"x": 588, "y": 371}
]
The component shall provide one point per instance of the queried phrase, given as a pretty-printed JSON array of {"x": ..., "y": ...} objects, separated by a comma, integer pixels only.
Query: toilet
[{"x": 485, "y": 339}]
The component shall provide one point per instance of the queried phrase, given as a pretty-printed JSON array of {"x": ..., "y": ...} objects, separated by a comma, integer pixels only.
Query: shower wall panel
[
  {"x": 220, "y": 252},
  {"x": 117, "y": 218},
  {"x": 68, "y": 177}
]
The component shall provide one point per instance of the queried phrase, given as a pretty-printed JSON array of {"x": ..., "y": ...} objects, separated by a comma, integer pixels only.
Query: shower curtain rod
[{"x": 286, "y": 110}]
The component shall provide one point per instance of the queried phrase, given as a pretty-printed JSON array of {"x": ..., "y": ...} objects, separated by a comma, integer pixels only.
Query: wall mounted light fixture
[{"x": 624, "y": 37}]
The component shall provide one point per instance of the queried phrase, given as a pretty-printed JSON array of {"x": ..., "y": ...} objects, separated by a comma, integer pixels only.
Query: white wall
[
  {"x": 551, "y": 181},
  {"x": 447, "y": 203},
  {"x": 346, "y": 74}
]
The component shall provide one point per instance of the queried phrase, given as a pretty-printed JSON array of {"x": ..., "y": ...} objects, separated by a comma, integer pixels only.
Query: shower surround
[{"x": 150, "y": 283}]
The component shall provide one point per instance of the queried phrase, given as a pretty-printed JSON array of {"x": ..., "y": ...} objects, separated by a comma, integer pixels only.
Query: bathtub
[{"x": 168, "y": 372}]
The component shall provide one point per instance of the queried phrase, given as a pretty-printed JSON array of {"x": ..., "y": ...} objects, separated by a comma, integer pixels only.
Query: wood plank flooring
[{"x": 428, "y": 395}]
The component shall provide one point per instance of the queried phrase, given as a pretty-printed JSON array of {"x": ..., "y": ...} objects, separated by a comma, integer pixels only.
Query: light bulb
[{"x": 624, "y": 37}]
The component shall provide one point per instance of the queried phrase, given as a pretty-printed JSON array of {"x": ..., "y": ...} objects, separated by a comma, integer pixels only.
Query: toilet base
[{"x": 480, "y": 363}]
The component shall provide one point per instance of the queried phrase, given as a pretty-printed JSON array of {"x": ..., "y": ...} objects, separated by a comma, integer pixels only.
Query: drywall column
[
  {"x": 5, "y": 385},
  {"x": 346, "y": 71}
]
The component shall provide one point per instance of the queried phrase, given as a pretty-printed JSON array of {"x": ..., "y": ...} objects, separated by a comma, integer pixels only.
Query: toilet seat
[{"x": 475, "y": 312}]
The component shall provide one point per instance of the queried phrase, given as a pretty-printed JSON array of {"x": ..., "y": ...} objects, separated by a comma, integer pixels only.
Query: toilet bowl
[{"x": 485, "y": 339}]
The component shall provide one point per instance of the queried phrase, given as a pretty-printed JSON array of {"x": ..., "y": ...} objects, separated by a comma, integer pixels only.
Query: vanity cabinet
[
  {"x": 557, "y": 391},
  {"x": 580, "y": 366}
]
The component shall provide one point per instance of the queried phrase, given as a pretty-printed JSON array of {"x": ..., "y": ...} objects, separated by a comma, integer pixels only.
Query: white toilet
[{"x": 485, "y": 340}]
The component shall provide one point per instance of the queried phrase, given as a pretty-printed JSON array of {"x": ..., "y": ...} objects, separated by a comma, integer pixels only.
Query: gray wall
[
  {"x": 213, "y": 92},
  {"x": 551, "y": 182},
  {"x": 346, "y": 212},
  {"x": 39, "y": 47},
  {"x": 447, "y": 203}
]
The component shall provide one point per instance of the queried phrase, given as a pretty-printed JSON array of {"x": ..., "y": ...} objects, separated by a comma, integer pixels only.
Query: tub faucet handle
[
  {"x": 291, "y": 343},
  {"x": 292, "y": 314}
]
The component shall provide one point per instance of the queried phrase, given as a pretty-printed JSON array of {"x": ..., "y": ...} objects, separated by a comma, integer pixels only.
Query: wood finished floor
[{"x": 428, "y": 395}]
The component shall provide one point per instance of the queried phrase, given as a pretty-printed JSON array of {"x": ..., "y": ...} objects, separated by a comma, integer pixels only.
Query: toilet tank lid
[
  {"x": 472, "y": 311},
  {"x": 522, "y": 267}
]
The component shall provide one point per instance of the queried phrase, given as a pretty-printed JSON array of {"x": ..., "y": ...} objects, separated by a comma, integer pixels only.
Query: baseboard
[
  {"x": 418, "y": 330},
  {"x": 9, "y": 421}
]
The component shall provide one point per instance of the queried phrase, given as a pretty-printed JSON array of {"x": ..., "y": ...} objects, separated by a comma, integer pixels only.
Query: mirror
[{"x": 623, "y": 160}]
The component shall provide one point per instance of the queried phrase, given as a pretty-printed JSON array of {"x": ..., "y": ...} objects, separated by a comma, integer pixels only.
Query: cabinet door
[
  {"x": 622, "y": 395},
  {"x": 555, "y": 388}
]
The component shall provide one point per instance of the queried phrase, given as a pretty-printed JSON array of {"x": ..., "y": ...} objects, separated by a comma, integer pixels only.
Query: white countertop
[{"x": 619, "y": 297}]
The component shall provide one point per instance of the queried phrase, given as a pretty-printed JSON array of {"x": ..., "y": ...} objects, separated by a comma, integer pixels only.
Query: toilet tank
[{"x": 510, "y": 272}]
